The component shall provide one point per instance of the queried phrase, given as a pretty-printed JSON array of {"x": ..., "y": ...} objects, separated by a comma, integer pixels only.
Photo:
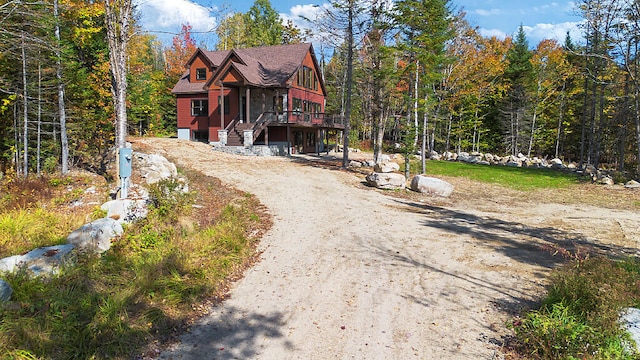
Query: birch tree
[{"x": 117, "y": 21}]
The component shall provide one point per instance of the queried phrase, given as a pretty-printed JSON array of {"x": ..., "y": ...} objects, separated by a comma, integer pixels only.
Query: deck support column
[
  {"x": 221, "y": 105},
  {"x": 247, "y": 106}
]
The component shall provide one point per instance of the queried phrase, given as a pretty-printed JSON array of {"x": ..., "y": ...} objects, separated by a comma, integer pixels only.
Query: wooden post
[
  {"x": 221, "y": 105},
  {"x": 247, "y": 104}
]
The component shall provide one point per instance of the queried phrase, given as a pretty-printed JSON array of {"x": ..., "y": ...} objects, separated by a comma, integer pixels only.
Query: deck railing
[{"x": 299, "y": 117}]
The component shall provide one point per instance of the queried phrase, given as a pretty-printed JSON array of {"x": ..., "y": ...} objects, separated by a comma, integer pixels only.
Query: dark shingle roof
[{"x": 266, "y": 66}]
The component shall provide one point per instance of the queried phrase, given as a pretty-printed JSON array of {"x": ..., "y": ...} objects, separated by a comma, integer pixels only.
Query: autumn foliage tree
[{"x": 182, "y": 47}]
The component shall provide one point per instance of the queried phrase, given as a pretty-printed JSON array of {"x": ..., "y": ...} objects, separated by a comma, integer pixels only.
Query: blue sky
[{"x": 540, "y": 18}]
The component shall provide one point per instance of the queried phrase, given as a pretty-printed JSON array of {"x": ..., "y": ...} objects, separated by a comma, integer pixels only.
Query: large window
[
  {"x": 201, "y": 74},
  {"x": 199, "y": 107},
  {"x": 307, "y": 108},
  {"x": 307, "y": 78}
]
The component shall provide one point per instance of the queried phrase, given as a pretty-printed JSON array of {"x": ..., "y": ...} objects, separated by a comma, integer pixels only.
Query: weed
[
  {"x": 145, "y": 286},
  {"x": 579, "y": 318}
]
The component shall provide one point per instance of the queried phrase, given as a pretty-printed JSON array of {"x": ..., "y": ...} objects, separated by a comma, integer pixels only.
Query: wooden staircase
[{"x": 235, "y": 137}]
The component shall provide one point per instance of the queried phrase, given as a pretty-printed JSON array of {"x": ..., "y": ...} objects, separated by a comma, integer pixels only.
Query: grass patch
[
  {"x": 578, "y": 319},
  {"x": 146, "y": 286},
  {"x": 525, "y": 179}
]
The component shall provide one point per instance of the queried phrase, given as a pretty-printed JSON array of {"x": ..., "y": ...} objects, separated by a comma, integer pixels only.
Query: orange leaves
[{"x": 176, "y": 57}]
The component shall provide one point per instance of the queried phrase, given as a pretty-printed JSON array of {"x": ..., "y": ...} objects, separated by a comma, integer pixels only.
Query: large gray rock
[
  {"x": 632, "y": 184},
  {"x": 95, "y": 237},
  {"x": 386, "y": 167},
  {"x": 10, "y": 264},
  {"x": 5, "y": 291},
  {"x": 126, "y": 210},
  {"x": 48, "y": 260},
  {"x": 388, "y": 181},
  {"x": 432, "y": 186},
  {"x": 154, "y": 167},
  {"x": 630, "y": 321}
]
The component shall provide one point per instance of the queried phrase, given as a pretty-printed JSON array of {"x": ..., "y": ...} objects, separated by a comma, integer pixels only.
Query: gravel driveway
[{"x": 348, "y": 272}]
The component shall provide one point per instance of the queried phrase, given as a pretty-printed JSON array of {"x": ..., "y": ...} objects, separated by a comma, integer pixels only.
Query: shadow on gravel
[
  {"x": 521, "y": 242},
  {"x": 395, "y": 257},
  {"x": 231, "y": 333}
]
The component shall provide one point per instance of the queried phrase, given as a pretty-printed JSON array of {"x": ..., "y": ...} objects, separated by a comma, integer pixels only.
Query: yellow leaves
[{"x": 4, "y": 105}]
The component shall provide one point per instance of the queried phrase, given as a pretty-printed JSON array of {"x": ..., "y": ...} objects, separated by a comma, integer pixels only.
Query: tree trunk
[
  {"x": 118, "y": 13},
  {"x": 62, "y": 113},
  {"x": 423, "y": 147},
  {"x": 415, "y": 104},
  {"x": 39, "y": 118},
  {"x": 25, "y": 112},
  {"x": 560, "y": 118},
  {"x": 347, "y": 125}
]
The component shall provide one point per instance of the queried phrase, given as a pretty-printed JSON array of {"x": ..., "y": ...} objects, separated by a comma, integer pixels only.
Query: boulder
[
  {"x": 355, "y": 164},
  {"x": 95, "y": 237},
  {"x": 48, "y": 260},
  {"x": 449, "y": 156},
  {"x": 555, "y": 161},
  {"x": 154, "y": 167},
  {"x": 10, "y": 264},
  {"x": 432, "y": 186},
  {"x": 388, "y": 181},
  {"x": 632, "y": 184},
  {"x": 384, "y": 158},
  {"x": 125, "y": 210},
  {"x": 606, "y": 180},
  {"x": 433, "y": 155},
  {"x": 5, "y": 291},
  {"x": 630, "y": 321},
  {"x": 386, "y": 167}
]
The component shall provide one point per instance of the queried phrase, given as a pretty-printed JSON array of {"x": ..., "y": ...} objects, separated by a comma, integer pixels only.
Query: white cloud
[
  {"x": 485, "y": 12},
  {"x": 305, "y": 17},
  {"x": 169, "y": 15},
  {"x": 492, "y": 32},
  {"x": 552, "y": 31}
]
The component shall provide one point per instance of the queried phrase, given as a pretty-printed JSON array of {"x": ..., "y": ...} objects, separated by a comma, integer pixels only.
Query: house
[{"x": 272, "y": 96}]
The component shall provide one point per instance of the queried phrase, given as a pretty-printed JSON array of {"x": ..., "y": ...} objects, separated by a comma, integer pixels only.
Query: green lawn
[{"x": 512, "y": 177}]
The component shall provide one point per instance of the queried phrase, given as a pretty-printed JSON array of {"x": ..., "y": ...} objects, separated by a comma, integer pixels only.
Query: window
[
  {"x": 300, "y": 81},
  {"x": 278, "y": 103},
  {"x": 307, "y": 78},
  {"x": 199, "y": 107},
  {"x": 311, "y": 139},
  {"x": 297, "y": 105},
  {"x": 201, "y": 74},
  {"x": 226, "y": 105}
]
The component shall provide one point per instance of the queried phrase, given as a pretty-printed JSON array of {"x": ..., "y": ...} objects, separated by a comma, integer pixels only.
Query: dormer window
[{"x": 201, "y": 74}]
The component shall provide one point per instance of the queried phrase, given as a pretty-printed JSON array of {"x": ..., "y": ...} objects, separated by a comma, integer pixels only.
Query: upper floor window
[
  {"x": 201, "y": 74},
  {"x": 199, "y": 107},
  {"x": 307, "y": 78}
]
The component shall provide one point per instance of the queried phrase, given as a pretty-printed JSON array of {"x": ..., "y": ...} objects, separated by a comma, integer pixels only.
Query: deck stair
[{"x": 235, "y": 137}]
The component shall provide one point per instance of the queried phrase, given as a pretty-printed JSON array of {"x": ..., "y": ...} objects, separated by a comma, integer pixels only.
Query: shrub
[{"x": 579, "y": 318}]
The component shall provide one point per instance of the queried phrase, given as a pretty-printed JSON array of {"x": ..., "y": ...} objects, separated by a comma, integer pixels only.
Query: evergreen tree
[
  {"x": 263, "y": 25},
  {"x": 519, "y": 74}
]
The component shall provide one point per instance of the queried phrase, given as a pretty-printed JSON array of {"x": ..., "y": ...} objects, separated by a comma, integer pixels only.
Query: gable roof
[{"x": 267, "y": 66}]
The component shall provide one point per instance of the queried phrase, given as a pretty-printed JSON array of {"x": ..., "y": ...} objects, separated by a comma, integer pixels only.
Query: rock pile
[{"x": 94, "y": 237}]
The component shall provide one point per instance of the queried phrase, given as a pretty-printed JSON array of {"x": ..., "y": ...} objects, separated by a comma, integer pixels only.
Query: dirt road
[{"x": 349, "y": 272}]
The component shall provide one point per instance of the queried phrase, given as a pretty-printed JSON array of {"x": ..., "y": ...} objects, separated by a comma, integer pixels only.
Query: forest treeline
[{"x": 422, "y": 77}]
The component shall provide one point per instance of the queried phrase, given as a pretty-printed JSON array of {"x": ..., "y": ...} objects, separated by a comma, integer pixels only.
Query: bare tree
[
  {"x": 62, "y": 113},
  {"x": 117, "y": 19}
]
